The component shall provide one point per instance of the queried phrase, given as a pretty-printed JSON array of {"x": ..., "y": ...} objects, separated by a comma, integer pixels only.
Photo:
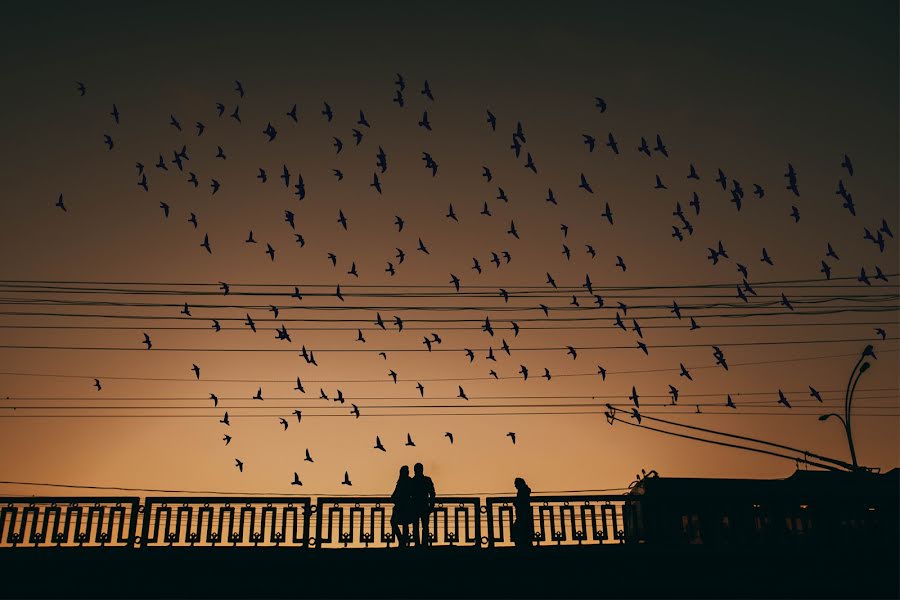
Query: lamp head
[{"x": 864, "y": 367}]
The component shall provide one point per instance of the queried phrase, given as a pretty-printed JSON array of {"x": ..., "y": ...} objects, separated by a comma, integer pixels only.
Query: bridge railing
[
  {"x": 562, "y": 520},
  {"x": 301, "y": 522},
  {"x": 366, "y": 521},
  {"x": 233, "y": 521},
  {"x": 68, "y": 521}
]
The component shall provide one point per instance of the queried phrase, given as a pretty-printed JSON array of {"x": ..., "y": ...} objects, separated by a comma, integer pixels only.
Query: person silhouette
[
  {"x": 522, "y": 532},
  {"x": 402, "y": 514},
  {"x": 422, "y": 503}
]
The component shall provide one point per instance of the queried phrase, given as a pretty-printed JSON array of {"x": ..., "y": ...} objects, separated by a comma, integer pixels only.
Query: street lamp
[{"x": 860, "y": 368}]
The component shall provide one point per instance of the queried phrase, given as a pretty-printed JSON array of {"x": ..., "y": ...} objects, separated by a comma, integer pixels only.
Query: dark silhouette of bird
[
  {"x": 729, "y": 403},
  {"x": 239, "y": 465},
  {"x": 409, "y": 441},
  {"x": 815, "y": 393},
  {"x": 82, "y": 90},
  {"x": 224, "y": 420},
  {"x": 205, "y": 243},
  {"x": 379, "y": 445},
  {"x": 782, "y": 399},
  {"x": 258, "y": 395},
  {"x": 659, "y": 184},
  {"x": 346, "y": 480},
  {"x": 766, "y": 258},
  {"x": 512, "y": 436},
  {"x": 424, "y": 122},
  {"x": 570, "y": 350},
  {"x": 270, "y": 251},
  {"x": 308, "y": 457},
  {"x": 607, "y": 214},
  {"x": 270, "y": 132},
  {"x": 847, "y": 164},
  {"x": 108, "y": 141},
  {"x": 491, "y": 119},
  {"x": 293, "y": 113},
  {"x": 97, "y": 385},
  {"x": 621, "y": 263},
  {"x": 462, "y": 393},
  {"x": 644, "y": 148},
  {"x": 329, "y": 114},
  {"x": 296, "y": 480},
  {"x": 585, "y": 185},
  {"x": 684, "y": 372},
  {"x": 60, "y": 204},
  {"x": 660, "y": 146},
  {"x": 147, "y": 342},
  {"x": 612, "y": 144},
  {"x": 283, "y": 423},
  {"x": 634, "y": 397},
  {"x": 215, "y": 400},
  {"x": 227, "y": 439},
  {"x": 196, "y": 371},
  {"x": 785, "y": 302},
  {"x": 826, "y": 270},
  {"x": 589, "y": 140},
  {"x": 375, "y": 183},
  {"x": 602, "y": 372},
  {"x": 426, "y": 91},
  {"x": 673, "y": 391},
  {"x": 881, "y": 333}
]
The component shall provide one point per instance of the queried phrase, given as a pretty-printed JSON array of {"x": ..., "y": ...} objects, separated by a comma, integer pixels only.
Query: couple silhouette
[{"x": 413, "y": 500}]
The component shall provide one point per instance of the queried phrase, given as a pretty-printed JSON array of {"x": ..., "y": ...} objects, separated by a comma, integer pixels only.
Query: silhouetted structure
[{"x": 814, "y": 507}]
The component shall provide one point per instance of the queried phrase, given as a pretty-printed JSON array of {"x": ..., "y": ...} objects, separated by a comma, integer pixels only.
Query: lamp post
[{"x": 860, "y": 368}]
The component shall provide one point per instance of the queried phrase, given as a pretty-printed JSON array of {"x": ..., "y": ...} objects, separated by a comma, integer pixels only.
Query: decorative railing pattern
[
  {"x": 345, "y": 522},
  {"x": 561, "y": 520},
  {"x": 299, "y": 522},
  {"x": 190, "y": 521},
  {"x": 75, "y": 521}
]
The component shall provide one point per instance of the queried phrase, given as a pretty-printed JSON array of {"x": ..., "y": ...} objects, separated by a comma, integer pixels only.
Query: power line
[
  {"x": 727, "y": 444},
  {"x": 365, "y": 415},
  {"x": 460, "y": 350},
  {"x": 413, "y": 328},
  {"x": 438, "y": 379},
  {"x": 407, "y": 286}
]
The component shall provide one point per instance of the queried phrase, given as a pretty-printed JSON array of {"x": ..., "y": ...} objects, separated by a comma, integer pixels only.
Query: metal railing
[{"x": 298, "y": 522}]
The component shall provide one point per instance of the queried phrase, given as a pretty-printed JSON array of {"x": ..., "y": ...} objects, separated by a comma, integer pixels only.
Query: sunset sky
[{"x": 748, "y": 88}]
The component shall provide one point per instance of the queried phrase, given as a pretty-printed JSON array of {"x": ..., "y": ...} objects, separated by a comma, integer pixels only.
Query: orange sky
[{"x": 786, "y": 93}]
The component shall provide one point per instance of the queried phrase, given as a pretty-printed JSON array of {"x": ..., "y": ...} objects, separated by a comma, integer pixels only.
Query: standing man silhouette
[{"x": 422, "y": 504}]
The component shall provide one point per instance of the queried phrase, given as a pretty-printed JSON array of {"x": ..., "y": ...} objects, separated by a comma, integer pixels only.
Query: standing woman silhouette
[
  {"x": 401, "y": 515},
  {"x": 522, "y": 532}
]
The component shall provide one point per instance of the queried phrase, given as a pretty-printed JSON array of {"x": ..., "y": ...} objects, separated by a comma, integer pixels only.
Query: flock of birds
[{"x": 178, "y": 162}]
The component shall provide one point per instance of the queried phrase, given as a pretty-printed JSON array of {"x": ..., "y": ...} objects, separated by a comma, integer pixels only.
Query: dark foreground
[{"x": 620, "y": 571}]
